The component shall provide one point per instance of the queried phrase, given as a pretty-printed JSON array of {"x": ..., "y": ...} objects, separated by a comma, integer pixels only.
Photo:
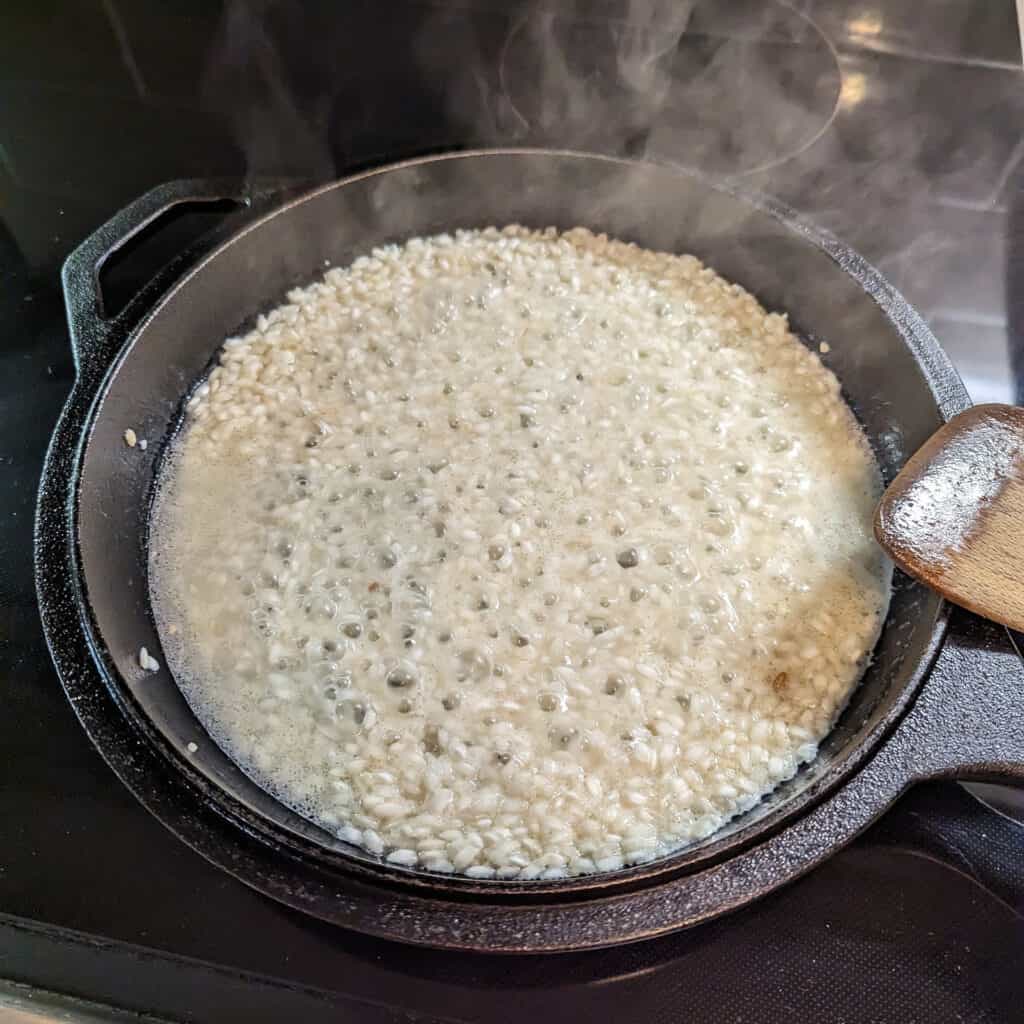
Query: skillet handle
[
  {"x": 96, "y": 337},
  {"x": 968, "y": 719}
]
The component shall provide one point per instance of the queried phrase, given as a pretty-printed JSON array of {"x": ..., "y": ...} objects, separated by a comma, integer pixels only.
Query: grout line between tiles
[
  {"x": 974, "y": 205},
  {"x": 958, "y": 316},
  {"x": 851, "y": 45},
  {"x": 1011, "y": 165}
]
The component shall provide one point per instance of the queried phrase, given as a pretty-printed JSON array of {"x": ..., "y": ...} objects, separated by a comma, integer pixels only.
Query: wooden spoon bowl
[{"x": 954, "y": 516}]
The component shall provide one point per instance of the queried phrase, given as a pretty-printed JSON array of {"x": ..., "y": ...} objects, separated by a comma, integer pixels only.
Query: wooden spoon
[{"x": 954, "y": 516}]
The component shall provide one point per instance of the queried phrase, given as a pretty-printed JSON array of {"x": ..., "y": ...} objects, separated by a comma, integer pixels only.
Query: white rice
[{"x": 519, "y": 554}]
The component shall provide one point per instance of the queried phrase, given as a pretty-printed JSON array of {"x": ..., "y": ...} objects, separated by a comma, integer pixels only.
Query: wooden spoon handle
[{"x": 954, "y": 516}]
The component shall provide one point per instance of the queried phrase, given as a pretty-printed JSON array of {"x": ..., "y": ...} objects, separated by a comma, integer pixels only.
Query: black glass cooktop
[{"x": 896, "y": 124}]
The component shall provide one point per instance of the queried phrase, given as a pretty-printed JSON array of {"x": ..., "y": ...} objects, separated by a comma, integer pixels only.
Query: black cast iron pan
[{"x": 923, "y": 710}]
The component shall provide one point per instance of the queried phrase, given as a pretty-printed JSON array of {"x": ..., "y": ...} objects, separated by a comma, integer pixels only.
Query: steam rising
[
  {"x": 724, "y": 88},
  {"x": 281, "y": 128}
]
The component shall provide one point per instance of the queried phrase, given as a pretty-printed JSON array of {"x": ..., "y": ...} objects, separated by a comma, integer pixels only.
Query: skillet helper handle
[
  {"x": 95, "y": 336},
  {"x": 968, "y": 720}
]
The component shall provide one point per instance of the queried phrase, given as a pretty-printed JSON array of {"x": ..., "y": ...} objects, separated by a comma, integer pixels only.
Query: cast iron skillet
[{"x": 911, "y": 718}]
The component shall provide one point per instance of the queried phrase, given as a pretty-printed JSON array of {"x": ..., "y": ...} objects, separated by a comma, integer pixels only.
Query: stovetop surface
[{"x": 896, "y": 124}]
